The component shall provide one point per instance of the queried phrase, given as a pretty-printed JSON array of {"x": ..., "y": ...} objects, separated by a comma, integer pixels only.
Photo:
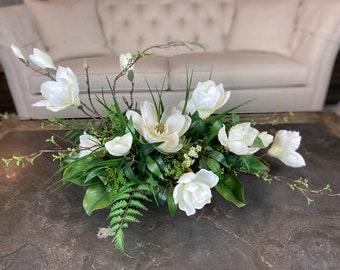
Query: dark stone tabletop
[{"x": 44, "y": 228}]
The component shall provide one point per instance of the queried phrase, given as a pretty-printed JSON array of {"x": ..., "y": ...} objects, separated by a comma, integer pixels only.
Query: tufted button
[
  {"x": 195, "y": 6},
  {"x": 153, "y": 22},
  {"x": 209, "y": 21},
  {"x": 126, "y": 23}
]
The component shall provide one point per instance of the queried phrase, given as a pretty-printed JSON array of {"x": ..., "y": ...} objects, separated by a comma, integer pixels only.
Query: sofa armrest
[
  {"x": 318, "y": 27},
  {"x": 321, "y": 18},
  {"x": 316, "y": 43},
  {"x": 17, "y": 27}
]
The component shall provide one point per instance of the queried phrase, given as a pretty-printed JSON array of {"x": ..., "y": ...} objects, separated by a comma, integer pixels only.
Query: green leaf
[
  {"x": 93, "y": 175},
  {"x": 153, "y": 167},
  {"x": 200, "y": 126},
  {"x": 215, "y": 128},
  {"x": 258, "y": 143},
  {"x": 162, "y": 196},
  {"x": 129, "y": 174},
  {"x": 214, "y": 166},
  {"x": 96, "y": 197},
  {"x": 147, "y": 149},
  {"x": 160, "y": 163},
  {"x": 255, "y": 165},
  {"x": 171, "y": 205},
  {"x": 219, "y": 157},
  {"x": 231, "y": 189}
]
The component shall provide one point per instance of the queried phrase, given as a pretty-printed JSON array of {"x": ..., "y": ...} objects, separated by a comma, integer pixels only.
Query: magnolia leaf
[
  {"x": 219, "y": 157},
  {"x": 171, "y": 205},
  {"x": 214, "y": 166},
  {"x": 231, "y": 189},
  {"x": 129, "y": 174},
  {"x": 93, "y": 176},
  {"x": 255, "y": 165},
  {"x": 258, "y": 143},
  {"x": 146, "y": 149},
  {"x": 162, "y": 197},
  {"x": 96, "y": 197},
  {"x": 200, "y": 126},
  {"x": 160, "y": 163},
  {"x": 214, "y": 130},
  {"x": 153, "y": 167}
]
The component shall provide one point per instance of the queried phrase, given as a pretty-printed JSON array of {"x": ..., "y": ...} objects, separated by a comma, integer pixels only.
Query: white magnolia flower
[
  {"x": 42, "y": 59},
  {"x": 124, "y": 60},
  {"x": 119, "y": 146},
  {"x": 284, "y": 148},
  {"x": 168, "y": 129},
  {"x": 208, "y": 97},
  {"x": 17, "y": 52},
  {"x": 241, "y": 139},
  {"x": 62, "y": 93},
  {"x": 193, "y": 190},
  {"x": 88, "y": 144}
]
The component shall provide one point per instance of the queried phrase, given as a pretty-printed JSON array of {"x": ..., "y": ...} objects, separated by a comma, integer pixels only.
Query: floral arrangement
[{"x": 168, "y": 155}]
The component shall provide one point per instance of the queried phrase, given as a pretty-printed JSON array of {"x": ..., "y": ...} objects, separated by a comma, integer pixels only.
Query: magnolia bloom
[
  {"x": 124, "y": 60},
  {"x": 284, "y": 148},
  {"x": 168, "y": 130},
  {"x": 119, "y": 146},
  {"x": 241, "y": 139},
  {"x": 62, "y": 93},
  {"x": 193, "y": 190},
  {"x": 17, "y": 52},
  {"x": 88, "y": 144},
  {"x": 208, "y": 97},
  {"x": 42, "y": 59}
]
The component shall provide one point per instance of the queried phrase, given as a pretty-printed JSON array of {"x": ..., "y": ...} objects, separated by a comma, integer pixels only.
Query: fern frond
[
  {"x": 116, "y": 212},
  {"x": 138, "y": 195},
  {"x": 126, "y": 206},
  {"x": 132, "y": 211},
  {"x": 118, "y": 205},
  {"x": 138, "y": 204},
  {"x": 131, "y": 219},
  {"x": 118, "y": 240},
  {"x": 115, "y": 220}
]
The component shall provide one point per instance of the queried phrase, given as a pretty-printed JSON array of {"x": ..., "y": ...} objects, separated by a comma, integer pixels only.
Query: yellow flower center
[{"x": 160, "y": 129}]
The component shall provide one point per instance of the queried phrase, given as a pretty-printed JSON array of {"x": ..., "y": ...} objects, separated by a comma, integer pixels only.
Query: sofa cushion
[
  {"x": 237, "y": 70},
  {"x": 151, "y": 70},
  {"x": 77, "y": 34},
  {"x": 264, "y": 25},
  {"x": 131, "y": 25}
]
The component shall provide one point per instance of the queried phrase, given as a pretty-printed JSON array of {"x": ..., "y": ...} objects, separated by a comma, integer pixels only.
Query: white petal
[
  {"x": 119, "y": 146},
  {"x": 17, "y": 52},
  {"x": 293, "y": 159},
  {"x": 42, "y": 59},
  {"x": 266, "y": 138},
  {"x": 222, "y": 136},
  {"x": 42, "y": 103},
  {"x": 206, "y": 177},
  {"x": 178, "y": 122},
  {"x": 149, "y": 113}
]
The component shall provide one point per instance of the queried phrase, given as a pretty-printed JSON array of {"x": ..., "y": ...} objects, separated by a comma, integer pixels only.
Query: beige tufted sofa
[{"x": 278, "y": 53}]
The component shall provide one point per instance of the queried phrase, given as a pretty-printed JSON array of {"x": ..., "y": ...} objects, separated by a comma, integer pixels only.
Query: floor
[{"x": 44, "y": 228}]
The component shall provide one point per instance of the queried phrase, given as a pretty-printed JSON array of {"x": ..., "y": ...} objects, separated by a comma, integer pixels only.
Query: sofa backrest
[{"x": 131, "y": 25}]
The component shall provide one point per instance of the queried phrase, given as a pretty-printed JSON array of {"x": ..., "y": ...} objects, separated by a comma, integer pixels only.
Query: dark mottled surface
[{"x": 42, "y": 228}]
